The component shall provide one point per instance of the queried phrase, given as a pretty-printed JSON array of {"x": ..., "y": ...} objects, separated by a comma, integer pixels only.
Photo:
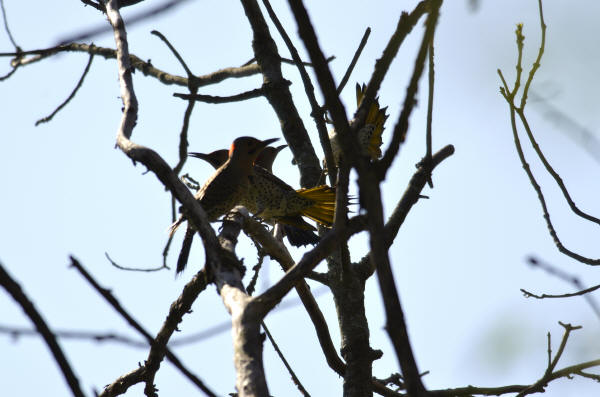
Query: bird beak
[
  {"x": 280, "y": 148},
  {"x": 267, "y": 142},
  {"x": 198, "y": 155}
]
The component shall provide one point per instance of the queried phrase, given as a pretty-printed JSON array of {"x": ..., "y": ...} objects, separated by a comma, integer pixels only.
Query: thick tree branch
[
  {"x": 280, "y": 98},
  {"x": 317, "y": 112}
]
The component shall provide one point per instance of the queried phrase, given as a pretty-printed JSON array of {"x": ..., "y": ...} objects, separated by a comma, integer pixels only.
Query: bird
[
  {"x": 224, "y": 189},
  {"x": 369, "y": 136},
  {"x": 273, "y": 200}
]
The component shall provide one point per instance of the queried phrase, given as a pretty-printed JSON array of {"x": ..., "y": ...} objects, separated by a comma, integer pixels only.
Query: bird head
[
  {"x": 216, "y": 158},
  {"x": 267, "y": 156},
  {"x": 247, "y": 148}
]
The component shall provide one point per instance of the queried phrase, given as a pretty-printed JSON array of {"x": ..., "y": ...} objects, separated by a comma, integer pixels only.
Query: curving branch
[
  {"x": 509, "y": 95},
  {"x": 136, "y": 63},
  {"x": 71, "y": 96}
]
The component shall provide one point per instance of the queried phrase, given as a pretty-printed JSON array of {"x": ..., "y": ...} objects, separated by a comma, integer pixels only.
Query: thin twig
[
  {"x": 71, "y": 96},
  {"x": 585, "y": 292},
  {"x": 255, "y": 93},
  {"x": 135, "y": 62},
  {"x": 401, "y": 127},
  {"x": 285, "y": 362},
  {"x": 509, "y": 96},
  {"x": 428, "y": 137},
  {"x": 95, "y": 336},
  {"x": 174, "y": 51},
  {"x": 134, "y": 269},
  {"x": 292, "y": 62},
  {"x": 110, "y": 299},
  {"x": 10, "y": 36},
  {"x": 14, "y": 290},
  {"x": 357, "y": 53},
  {"x": 85, "y": 35}
]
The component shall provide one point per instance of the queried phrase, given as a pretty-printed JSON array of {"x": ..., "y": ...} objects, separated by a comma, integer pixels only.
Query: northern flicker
[
  {"x": 369, "y": 136},
  {"x": 275, "y": 201},
  {"x": 224, "y": 189}
]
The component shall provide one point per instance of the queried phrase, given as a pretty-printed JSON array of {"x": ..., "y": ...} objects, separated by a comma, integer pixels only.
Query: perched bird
[
  {"x": 265, "y": 159},
  {"x": 369, "y": 136},
  {"x": 224, "y": 189},
  {"x": 275, "y": 201}
]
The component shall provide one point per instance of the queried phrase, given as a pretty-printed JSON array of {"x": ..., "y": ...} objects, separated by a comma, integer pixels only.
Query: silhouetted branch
[
  {"x": 567, "y": 278},
  {"x": 285, "y": 362},
  {"x": 257, "y": 92},
  {"x": 17, "y": 332},
  {"x": 406, "y": 23},
  {"x": 135, "y": 62},
  {"x": 317, "y": 112},
  {"x": 8, "y": 32},
  {"x": 110, "y": 299},
  {"x": 14, "y": 290},
  {"x": 133, "y": 269},
  {"x": 280, "y": 98},
  {"x": 401, "y": 127},
  {"x": 352, "y": 64},
  {"x": 142, "y": 16},
  {"x": 428, "y": 133},
  {"x": 407, "y": 201},
  {"x": 71, "y": 96}
]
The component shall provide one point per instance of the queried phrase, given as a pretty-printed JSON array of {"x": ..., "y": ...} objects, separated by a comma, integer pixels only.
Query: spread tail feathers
[
  {"x": 375, "y": 120},
  {"x": 323, "y": 209}
]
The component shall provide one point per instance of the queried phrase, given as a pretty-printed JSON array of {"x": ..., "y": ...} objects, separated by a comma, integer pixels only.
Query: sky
[{"x": 459, "y": 260}]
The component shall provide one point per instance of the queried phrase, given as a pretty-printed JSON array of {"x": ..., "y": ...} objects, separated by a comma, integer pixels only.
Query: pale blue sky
[{"x": 459, "y": 259}]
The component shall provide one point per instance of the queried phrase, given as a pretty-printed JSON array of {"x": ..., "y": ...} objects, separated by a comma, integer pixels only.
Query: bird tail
[
  {"x": 375, "y": 120},
  {"x": 300, "y": 237},
  {"x": 323, "y": 209},
  {"x": 184, "y": 254}
]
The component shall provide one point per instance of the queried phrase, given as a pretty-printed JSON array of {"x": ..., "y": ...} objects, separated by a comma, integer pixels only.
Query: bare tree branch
[
  {"x": 317, "y": 112},
  {"x": 352, "y": 64},
  {"x": 110, "y": 299},
  {"x": 14, "y": 290},
  {"x": 71, "y": 96},
  {"x": 255, "y": 93},
  {"x": 135, "y": 62},
  {"x": 509, "y": 96},
  {"x": 280, "y": 97},
  {"x": 401, "y": 127},
  {"x": 142, "y": 16}
]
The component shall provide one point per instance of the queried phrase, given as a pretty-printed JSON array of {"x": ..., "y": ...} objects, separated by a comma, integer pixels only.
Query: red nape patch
[{"x": 231, "y": 148}]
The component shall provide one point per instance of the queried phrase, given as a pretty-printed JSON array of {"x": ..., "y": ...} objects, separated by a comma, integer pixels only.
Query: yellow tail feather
[
  {"x": 323, "y": 209},
  {"x": 376, "y": 119}
]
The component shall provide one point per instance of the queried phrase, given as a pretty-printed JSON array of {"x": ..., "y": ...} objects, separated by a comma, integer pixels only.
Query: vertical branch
[
  {"x": 280, "y": 98},
  {"x": 401, "y": 127},
  {"x": 316, "y": 110}
]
